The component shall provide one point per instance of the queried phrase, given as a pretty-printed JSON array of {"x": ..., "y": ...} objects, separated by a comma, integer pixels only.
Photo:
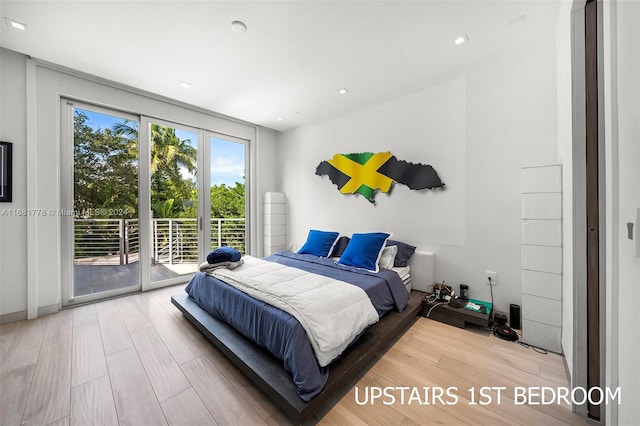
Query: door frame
[
  {"x": 67, "y": 107},
  {"x": 589, "y": 204},
  {"x": 247, "y": 204},
  {"x": 146, "y": 121},
  {"x": 595, "y": 194}
]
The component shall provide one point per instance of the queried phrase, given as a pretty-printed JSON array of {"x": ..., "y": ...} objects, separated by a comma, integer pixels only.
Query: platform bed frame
[{"x": 268, "y": 373}]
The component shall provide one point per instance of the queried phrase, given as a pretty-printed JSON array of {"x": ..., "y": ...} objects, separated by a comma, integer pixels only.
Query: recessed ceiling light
[
  {"x": 184, "y": 84},
  {"x": 15, "y": 24},
  {"x": 280, "y": 118},
  {"x": 343, "y": 91},
  {"x": 460, "y": 39},
  {"x": 238, "y": 27}
]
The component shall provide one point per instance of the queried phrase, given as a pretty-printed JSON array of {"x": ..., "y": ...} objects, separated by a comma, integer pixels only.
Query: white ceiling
[{"x": 291, "y": 61}]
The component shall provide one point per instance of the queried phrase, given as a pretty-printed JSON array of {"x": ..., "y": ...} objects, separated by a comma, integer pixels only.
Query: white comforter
[{"x": 332, "y": 312}]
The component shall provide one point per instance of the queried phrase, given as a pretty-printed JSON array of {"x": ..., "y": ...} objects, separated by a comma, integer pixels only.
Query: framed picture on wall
[{"x": 5, "y": 172}]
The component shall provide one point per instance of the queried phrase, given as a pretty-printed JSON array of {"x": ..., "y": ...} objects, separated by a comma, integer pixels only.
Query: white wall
[
  {"x": 37, "y": 286},
  {"x": 13, "y": 229},
  {"x": 430, "y": 133},
  {"x": 565, "y": 144},
  {"x": 477, "y": 128},
  {"x": 266, "y": 181}
]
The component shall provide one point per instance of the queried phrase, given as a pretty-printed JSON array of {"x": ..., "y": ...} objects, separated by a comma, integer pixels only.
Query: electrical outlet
[{"x": 491, "y": 276}]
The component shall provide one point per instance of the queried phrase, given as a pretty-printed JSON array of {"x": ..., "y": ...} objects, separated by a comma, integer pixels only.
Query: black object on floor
[
  {"x": 499, "y": 319},
  {"x": 506, "y": 333},
  {"x": 514, "y": 316}
]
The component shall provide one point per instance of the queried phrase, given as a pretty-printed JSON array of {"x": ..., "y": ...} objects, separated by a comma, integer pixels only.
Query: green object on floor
[{"x": 487, "y": 305}]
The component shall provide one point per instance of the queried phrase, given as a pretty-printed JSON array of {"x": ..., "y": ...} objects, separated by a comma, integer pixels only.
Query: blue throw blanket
[{"x": 223, "y": 254}]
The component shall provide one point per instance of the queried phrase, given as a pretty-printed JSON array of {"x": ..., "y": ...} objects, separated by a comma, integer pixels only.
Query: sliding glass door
[
  {"x": 198, "y": 198},
  {"x": 102, "y": 193},
  {"x": 227, "y": 185},
  {"x": 176, "y": 231},
  {"x": 145, "y": 201}
]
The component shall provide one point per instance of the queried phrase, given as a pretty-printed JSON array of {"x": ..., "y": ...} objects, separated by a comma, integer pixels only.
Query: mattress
[{"x": 404, "y": 272}]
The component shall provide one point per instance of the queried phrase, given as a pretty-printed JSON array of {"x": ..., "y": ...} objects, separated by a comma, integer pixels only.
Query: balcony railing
[{"x": 175, "y": 240}]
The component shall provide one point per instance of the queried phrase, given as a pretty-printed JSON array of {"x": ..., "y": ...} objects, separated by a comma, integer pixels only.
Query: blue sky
[
  {"x": 227, "y": 158},
  {"x": 227, "y": 162}
]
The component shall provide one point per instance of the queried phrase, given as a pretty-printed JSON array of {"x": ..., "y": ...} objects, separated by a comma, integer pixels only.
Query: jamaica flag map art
[{"x": 365, "y": 173}]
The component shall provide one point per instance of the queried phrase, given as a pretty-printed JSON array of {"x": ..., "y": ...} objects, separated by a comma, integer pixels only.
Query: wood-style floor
[{"x": 137, "y": 361}]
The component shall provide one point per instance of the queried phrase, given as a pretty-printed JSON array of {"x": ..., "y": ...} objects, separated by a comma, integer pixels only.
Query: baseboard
[
  {"x": 22, "y": 315},
  {"x": 46, "y": 310},
  {"x": 567, "y": 372},
  {"x": 13, "y": 317}
]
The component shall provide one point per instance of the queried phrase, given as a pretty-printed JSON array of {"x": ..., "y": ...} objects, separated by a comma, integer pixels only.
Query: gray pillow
[
  {"x": 405, "y": 251},
  {"x": 340, "y": 246}
]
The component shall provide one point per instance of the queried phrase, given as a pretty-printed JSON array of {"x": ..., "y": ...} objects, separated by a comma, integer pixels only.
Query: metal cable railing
[
  {"x": 174, "y": 240},
  {"x": 229, "y": 232}
]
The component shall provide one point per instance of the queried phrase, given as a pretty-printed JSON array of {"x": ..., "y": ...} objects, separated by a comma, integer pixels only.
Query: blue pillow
[
  {"x": 364, "y": 250},
  {"x": 319, "y": 243},
  {"x": 223, "y": 254}
]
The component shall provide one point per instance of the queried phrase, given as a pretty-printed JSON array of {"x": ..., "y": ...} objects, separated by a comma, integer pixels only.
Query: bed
[{"x": 284, "y": 363}]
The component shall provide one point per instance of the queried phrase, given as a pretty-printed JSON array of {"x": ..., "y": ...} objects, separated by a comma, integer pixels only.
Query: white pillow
[{"x": 388, "y": 257}]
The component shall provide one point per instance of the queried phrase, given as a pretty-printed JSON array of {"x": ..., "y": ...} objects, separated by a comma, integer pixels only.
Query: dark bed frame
[{"x": 268, "y": 373}]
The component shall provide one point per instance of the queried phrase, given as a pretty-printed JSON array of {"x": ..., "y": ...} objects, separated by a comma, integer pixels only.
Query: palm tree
[
  {"x": 167, "y": 148},
  {"x": 169, "y": 155}
]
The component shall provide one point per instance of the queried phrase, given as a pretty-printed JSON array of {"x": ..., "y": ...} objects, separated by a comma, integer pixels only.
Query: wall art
[{"x": 366, "y": 173}]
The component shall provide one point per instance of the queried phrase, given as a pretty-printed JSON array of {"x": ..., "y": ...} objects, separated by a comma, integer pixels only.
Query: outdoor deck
[
  {"x": 97, "y": 277},
  {"x": 107, "y": 250}
]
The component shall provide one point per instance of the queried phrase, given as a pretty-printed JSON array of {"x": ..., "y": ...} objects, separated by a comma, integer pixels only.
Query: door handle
[
  {"x": 631, "y": 235},
  {"x": 637, "y": 234}
]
